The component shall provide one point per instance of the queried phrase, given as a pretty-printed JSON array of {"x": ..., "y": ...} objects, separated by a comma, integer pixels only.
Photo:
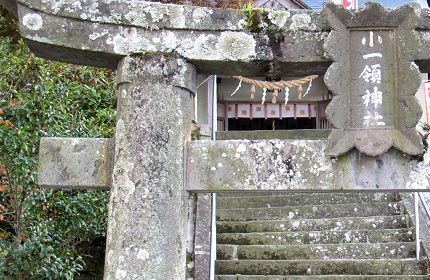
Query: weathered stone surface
[
  {"x": 272, "y": 249},
  {"x": 296, "y": 165},
  {"x": 75, "y": 163},
  {"x": 212, "y": 39},
  {"x": 202, "y": 244},
  {"x": 205, "y": 132},
  {"x": 259, "y": 165},
  {"x": 10, "y": 5},
  {"x": 146, "y": 236},
  {"x": 322, "y": 277},
  {"x": 226, "y": 252},
  {"x": 342, "y": 223},
  {"x": 391, "y": 170},
  {"x": 327, "y": 251},
  {"x": 320, "y": 267},
  {"x": 309, "y": 167},
  {"x": 139, "y": 21},
  {"x": 374, "y": 83},
  {"x": 109, "y": 30},
  {"x": 312, "y": 211},
  {"x": 225, "y": 201}
]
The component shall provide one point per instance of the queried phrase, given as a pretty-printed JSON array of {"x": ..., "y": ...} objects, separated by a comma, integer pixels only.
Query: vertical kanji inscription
[{"x": 373, "y": 79}]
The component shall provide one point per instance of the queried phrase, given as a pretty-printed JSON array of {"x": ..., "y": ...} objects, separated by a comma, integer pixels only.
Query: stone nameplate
[{"x": 373, "y": 79}]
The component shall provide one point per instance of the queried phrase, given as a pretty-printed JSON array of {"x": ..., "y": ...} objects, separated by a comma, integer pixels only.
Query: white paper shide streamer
[
  {"x": 238, "y": 87},
  {"x": 264, "y": 96},
  {"x": 309, "y": 87},
  {"x": 287, "y": 95}
]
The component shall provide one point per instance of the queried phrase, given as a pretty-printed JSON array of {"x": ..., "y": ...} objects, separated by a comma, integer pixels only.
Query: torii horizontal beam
[
  {"x": 99, "y": 33},
  {"x": 244, "y": 165}
]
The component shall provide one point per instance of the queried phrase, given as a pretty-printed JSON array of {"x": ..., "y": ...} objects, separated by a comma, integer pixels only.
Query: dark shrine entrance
[{"x": 271, "y": 123}]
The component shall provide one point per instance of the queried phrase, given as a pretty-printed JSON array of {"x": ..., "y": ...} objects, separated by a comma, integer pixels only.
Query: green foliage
[
  {"x": 43, "y": 232},
  {"x": 9, "y": 26},
  {"x": 425, "y": 127},
  {"x": 250, "y": 11}
]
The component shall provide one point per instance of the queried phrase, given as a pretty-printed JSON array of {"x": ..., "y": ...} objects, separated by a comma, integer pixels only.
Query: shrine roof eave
[{"x": 216, "y": 41}]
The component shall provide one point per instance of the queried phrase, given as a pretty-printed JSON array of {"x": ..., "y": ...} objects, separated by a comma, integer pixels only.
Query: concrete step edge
[
  {"x": 227, "y": 202},
  {"x": 316, "y": 219},
  {"x": 316, "y": 245},
  {"x": 412, "y": 229},
  {"x": 317, "y": 237},
  {"x": 344, "y": 251},
  {"x": 297, "y": 224},
  {"x": 363, "y": 205},
  {"x": 311, "y": 194},
  {"x": 310, "y": 212},
  {"x": 320, "y": 267},
  {"x": 321, "y": 277}
]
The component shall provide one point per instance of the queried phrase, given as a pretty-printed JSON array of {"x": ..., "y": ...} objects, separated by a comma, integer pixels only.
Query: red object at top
[{"x": 349, "y": 4}]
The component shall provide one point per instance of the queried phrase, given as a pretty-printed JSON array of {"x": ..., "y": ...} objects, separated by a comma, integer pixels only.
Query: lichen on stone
[
  {"x": 159, "y": 13},
  {"x": 236, "y": 45},
  {"x": 129, "y": 42},
  {"x": 302, "y": 21},
  {"x": 32, "y": 21},
  {"x": 204, "y": 47},
  {"x": 69, "y": 5},
  {"x": 170, "y": 41},
  {"x": 96, "y": 35},
  {"x": 420, "y": 176},
  {"x": 136, "y": 18},
  {"x": 279, "y": 19},
  {"x": 200, "y": 14},
  {"x": 177, "y": 17}
]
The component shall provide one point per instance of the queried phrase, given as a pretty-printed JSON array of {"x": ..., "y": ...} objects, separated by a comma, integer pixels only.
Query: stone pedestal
[{"x": 146, "y": 236}]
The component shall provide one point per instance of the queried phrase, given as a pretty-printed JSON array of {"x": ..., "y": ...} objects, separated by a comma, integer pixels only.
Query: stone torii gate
[{"x": 158, "y": 49}]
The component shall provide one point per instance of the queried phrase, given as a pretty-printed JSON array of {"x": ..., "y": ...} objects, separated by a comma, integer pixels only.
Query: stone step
[
  {"x": 319, "y": 267},
  {"x": 323, "y": 277},
  {"x": 265, "y": 201},
  {"x": 349, "y": 223},
  {"x": 256, "y": 193},
  {"x": 310, "y": 212},
  {"x": 394, "y": 250},
  {"x": 317, "y": 237}
]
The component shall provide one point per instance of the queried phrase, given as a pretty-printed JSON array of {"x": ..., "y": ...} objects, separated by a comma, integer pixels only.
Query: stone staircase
[{"x": 315, "y": 236}]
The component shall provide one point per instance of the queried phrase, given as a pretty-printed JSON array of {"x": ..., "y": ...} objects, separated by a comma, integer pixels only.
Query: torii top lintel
[
  {"x": 216, "y": 41},
  {"x": 373, "y": 79}
]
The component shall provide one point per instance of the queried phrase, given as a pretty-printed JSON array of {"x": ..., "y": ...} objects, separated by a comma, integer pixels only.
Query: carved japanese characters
[{"x": 373, "y": 79}]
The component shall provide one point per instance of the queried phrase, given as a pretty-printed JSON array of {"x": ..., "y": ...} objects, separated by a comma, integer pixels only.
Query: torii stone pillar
[{"x": 146, "y": 236}]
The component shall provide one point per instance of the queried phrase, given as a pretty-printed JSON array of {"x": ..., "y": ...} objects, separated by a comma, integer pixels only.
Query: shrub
[{"x": 44, "y": 234}]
